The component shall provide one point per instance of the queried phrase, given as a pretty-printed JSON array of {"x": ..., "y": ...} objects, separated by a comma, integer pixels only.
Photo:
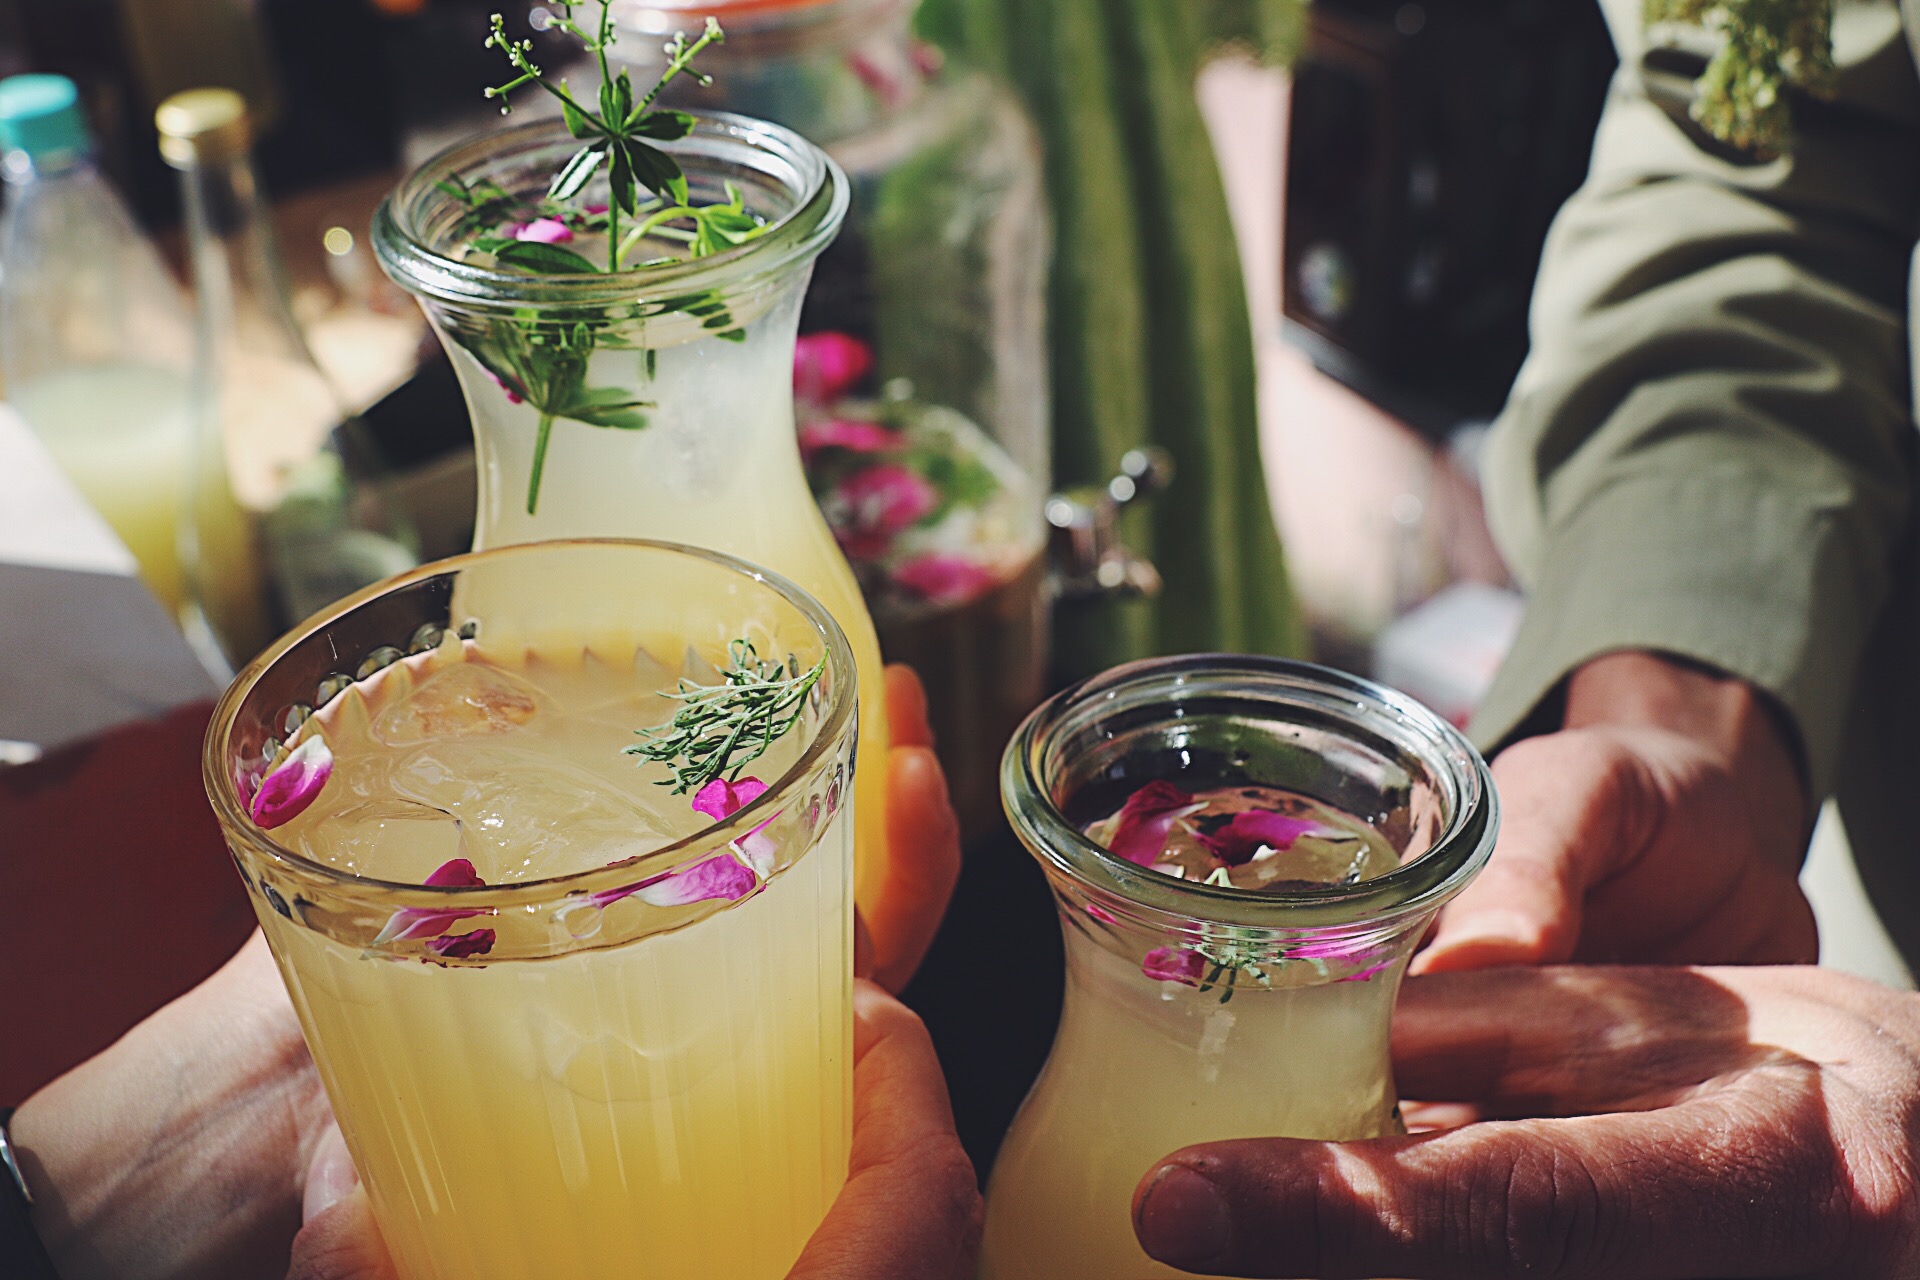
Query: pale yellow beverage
[
  {"x": 562, "y": 1073},
  {"x": 1137, "y": 1073},
  {"x": 122, "y": 434}
]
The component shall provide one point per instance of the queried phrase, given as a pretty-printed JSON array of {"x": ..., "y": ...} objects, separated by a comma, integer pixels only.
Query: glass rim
[
  {"x": 237, "y": 824},
  {"x": 1422, "y": 884},
  {"x": 821, "y": 198}
]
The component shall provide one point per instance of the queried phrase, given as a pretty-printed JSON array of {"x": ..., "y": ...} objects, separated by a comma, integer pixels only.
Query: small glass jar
[
  {"x": 923, "y": 374},
  {"x": 1196, "y": 1012},
  {"x": 653, "y": 402}
]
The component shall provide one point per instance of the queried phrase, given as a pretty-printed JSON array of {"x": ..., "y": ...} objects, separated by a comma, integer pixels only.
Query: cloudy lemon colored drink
[
  {"x": 573, "y": 1022},
  {"x": 1244, "y": 853}
]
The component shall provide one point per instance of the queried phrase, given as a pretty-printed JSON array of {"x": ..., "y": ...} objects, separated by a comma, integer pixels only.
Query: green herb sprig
[
  {"x": 543, "y": 361},
  {"x": 722, "y": 728},
  {"x": 1767, "y": 45}
]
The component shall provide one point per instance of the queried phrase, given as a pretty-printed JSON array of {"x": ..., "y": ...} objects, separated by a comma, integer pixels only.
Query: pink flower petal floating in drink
[
  {"x": 1101, "y": 914},
  {"x": 1252, "y": 830},
  {"x": 722, "y": 876},
  {"x": 544, "y": 231},
  {"x": 827, "y": 365},
  {"x": 1146, "y": 820},
  {"x": 409, "y": 923},
  {"x": 513, "y": 393},
  {"x": 945, "y": 579},
  {"x": 462, "y": 946},
  {"x": 850, "y": 434},
  {"x": 721, "y": 799},
  {"x": 1173, "y": 964},
  {"x": 1347, "y": 951},
  {"x": 878, "y": 503},
  {"x": 285, "y": 793}
]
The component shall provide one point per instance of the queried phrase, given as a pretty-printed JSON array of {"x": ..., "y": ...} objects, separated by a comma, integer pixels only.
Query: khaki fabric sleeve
[{"x": 1711, "y": 450}]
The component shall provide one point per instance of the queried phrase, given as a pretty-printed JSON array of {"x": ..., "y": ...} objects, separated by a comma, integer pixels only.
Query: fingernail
[
  {"x": 1183, "y": 1219},
  {"x": 329, "y": 1178}
]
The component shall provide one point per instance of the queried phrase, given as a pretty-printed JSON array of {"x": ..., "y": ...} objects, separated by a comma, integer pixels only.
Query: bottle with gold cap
[{"x": 290, "y": 509}]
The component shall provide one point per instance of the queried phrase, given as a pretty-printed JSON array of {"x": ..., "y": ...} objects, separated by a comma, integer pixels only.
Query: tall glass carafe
[
  {"x": 923, "y": 366},
  {"x": 1273, "y": 840},
  {"x": 289, "y": 508},
  {"x": 654, "y": 402},
  {"x": 96, "y": 341}
]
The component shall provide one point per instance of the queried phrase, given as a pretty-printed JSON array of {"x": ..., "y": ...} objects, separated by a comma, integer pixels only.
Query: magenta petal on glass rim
[
  {"x": 544, "y": 231},
  {"x": 1173, "y": 964},
  {"x": 850, "y": 434},
  {"x": 1147, "y": 819},
  {"x": 285, "y": 793},
  {"x": 462, "y": 945},
  {"x": 409, "y": 923},
  {"x": 944, "y": 579},
  {"x": 722, "y": 876},
  {"x": 1253, "y": 830},
  {"x": 827, "y": 365},
  {"x": 721, "y": 799},
  {"x": 1364, "y": 974}
]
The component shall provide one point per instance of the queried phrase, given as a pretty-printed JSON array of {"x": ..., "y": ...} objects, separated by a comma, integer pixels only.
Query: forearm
[{"x": 179, "y": 1151}]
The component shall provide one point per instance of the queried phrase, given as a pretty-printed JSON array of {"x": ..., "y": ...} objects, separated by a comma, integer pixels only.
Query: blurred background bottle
[
  {"x": 95, "y": 340},
  {"x": 290, "y": 504}
]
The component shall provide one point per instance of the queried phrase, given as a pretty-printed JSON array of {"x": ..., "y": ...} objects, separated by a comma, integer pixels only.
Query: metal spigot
[{"x": 1089, "y": 560}]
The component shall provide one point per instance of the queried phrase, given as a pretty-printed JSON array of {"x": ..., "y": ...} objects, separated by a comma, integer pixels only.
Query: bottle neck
[
  {"x": 829, "y": 71},
  {"x": 18, "y": 168},
  {"x": 239, "y": 281}
]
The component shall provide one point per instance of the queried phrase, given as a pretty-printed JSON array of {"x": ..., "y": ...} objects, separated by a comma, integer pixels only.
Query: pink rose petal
[
  {"x": 850, "y": 434},
  {"x": 513, "y": 397},
  {"x": 462, "y": 945},
  {"x": 544, "y": 231},
  {"x": 945, "y": 579},
  {"x": 1365, "y": 974},
  {"x": 1101, "y": 914},
  {"x": 1173, "y": 964},
  {"x": 409, "y": 923},
  {"x": 1251, "y": 831},
  {"x": 827, "y": 365},
  {"x": 294, "y": 784},
  {"x": 723, "y": 876},
  {"x": 722, "y": 799},
  {"x": 875, "y": 504},
  {"x": 1146, "y": 820}
]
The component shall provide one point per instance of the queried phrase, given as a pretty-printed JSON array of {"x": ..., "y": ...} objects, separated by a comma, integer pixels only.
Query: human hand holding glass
[
  {"x": 1637, "y": 1124},
  {"x": 1663, "y": 824},
  {"x": 187, "y": 1148}
]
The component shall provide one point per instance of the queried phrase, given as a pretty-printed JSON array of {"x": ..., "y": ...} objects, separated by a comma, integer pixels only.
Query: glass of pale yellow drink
[
  {"x": 580, "y": 1011},
  {"x": 1244, "y": 853}
]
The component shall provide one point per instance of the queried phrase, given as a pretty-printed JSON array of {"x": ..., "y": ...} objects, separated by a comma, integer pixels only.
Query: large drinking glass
[
  {"x": 1331, "y": 817},
  {"x": 570, "y": 1026}
]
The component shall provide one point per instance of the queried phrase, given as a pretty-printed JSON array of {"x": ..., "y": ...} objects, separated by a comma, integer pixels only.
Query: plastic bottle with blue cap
[{"x": 96, "y": 340}]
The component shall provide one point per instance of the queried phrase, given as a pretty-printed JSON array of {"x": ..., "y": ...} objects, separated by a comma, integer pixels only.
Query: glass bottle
[
  {"x": 653, "y": 402},
  {"x": 1197, "y": 1011},
  {"x": 95, "y": 340},
  {"x": 290, "y": 509},
  {"x": 923, "y": 369}
]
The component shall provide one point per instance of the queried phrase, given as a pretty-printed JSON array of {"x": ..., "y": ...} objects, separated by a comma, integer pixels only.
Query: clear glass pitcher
[
  {"x": 654, "y": 402},
  {"x": 1196, "y": 1011},
  {"x": 923, "y": 364}
]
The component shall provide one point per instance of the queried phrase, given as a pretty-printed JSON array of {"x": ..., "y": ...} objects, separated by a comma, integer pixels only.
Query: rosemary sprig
[{"x": 722, "y": 728}]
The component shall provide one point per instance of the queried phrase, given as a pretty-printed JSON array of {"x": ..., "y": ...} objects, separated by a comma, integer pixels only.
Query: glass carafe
[
  {"x": 922, "y": 375},
  {"x": 1194, "y": 1011},
  {"x": 655, "y": 402}
]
